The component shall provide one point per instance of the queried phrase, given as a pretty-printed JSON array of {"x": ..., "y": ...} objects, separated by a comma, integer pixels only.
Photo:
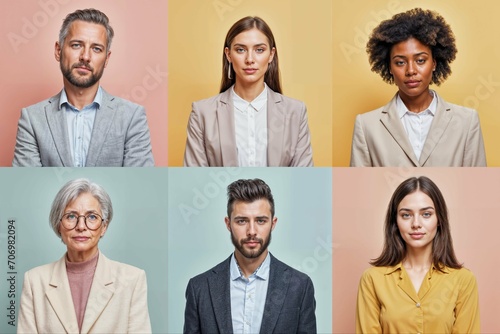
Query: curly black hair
[{"x": 427, "y": 26}]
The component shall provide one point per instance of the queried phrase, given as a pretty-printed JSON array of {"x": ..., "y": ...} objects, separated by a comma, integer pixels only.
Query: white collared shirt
[
  {"x": 248, "y": 296},
  {"x": 417, "y": 125},
  {"x": 250, "y": 120}
]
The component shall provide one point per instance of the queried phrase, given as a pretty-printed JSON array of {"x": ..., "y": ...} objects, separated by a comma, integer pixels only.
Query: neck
[
  {"x": 417, "y": 103},
  {"x": 418, "y": 259},
  {"x": 248, "y": 92},
  {"x": 75, "y": 256},
  {"x": 248, "y": 266},
  {"x": 80, "y": 97}
]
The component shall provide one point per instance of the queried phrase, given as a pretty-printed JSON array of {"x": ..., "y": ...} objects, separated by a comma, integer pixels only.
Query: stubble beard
[{"x": 252, "y": 254}]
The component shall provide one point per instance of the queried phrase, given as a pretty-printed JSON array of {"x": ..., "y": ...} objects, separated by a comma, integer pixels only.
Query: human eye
[
  {"x": 399, "y": 62},
  {"x": 427, "y": 214},
  {"x": 92, "y": 217},
  {"x": 70, "y": 216},
  {"x": 260, "y": 50},
  {"x": 240, "y": 50},
  {"x": 261, "y": 221},
  {"x": 75, "y": 45},
  {"x": 241, "y": 221},
  {"x": 421, "y": 61},
  {"x": 405, "y": 215},
  {"x": 97, "y": 49}
]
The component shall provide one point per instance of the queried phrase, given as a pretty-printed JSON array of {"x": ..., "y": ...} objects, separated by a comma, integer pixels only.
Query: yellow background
[
  {"x": 357, "y": 90},
  {"x": 303, "y": 33}
]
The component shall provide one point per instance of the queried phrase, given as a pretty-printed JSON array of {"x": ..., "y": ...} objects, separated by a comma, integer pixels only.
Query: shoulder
[
  {"x": 120, "y": 268},
  {"x": 375, "y": 272},
  {"x": 116, "y": 102},
  {"x": 297, "y": 276},
  {"x": 221, "y": 268},
  {"x": 54, "y": 100},
  {"x": 373, "y": 115},
  {"x": 43, "y": 270},
  {"x": 290, "y": 103},
  {"x": 461, "y": 275},
  {"x": 213, "y": 101}
]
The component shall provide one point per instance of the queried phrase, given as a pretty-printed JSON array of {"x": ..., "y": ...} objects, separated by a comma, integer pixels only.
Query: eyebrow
[
  {"x": 245, "y": 217},
  {"x": 422, "y": 209},
  {"x": 82, "y": 42},
  {"x": 415, "y": 55},
  {"x": 256, "y": 45}
]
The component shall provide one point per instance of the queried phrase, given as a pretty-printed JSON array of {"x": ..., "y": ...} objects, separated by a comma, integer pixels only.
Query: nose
[
  {"x": 411, "y": 69},
  {"x": 251, "y": 228},
  {"x": 415, "y": 224},
  {"x": 85, "y": 54},
  {"x": 80, "y": 224},
  {"x": 249, "y": 58}
]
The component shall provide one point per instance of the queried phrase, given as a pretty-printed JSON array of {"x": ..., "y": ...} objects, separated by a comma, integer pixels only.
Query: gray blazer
[
  {"x": 454, "y": 139},
  {"x": 211, "y": 138},
  {"x": 120, "y": 136},
  {"x": 289, "y": 306}
]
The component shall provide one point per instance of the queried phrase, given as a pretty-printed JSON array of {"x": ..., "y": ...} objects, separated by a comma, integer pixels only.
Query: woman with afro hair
[{"x": 417, "y": 127}]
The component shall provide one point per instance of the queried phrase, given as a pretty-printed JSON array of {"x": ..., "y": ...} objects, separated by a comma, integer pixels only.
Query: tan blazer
[
  {"x": 117, "y": 301},
  {"x": 211, "y": 138},
  {"x": 454, "y": 139}
]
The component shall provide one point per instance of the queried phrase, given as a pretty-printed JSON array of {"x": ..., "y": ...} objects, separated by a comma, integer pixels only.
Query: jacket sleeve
[
  {"x": 26, "y": 321},
  {"x": 475, "y": 155},
  {"x": 360, "y": 155},
  {"x": 307, "y": 321},
  {"x": 26, "y": 153},
  {"x": 467, "y": 307},
  {"x": 191, "y": 318},
  {"x": 303, "y": 156},
  {"x": 139, "y": 321},
  {"x": 138, "y": 152},
  {"x": 195, "y": 154},
  {"x": 367, "y": 307}
]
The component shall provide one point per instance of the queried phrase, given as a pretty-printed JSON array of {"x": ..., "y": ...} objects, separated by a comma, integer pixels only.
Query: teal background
[
  {"x": 198, "y": 239},
  {"x": 137, "y": 234}
]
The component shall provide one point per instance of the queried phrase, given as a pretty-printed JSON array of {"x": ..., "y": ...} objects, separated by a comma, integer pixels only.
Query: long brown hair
[
  {"x": 394, "y": 245},
  {"x": 272, "y": 76}
]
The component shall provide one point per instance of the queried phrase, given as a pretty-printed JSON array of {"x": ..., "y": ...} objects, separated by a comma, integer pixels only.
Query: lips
[
  {"x": 80, "y": 238},
  {"x": 250, "y": 70},
  {"x": 417, "y": 236},
  {"x": 412, "y": 83},
  {"x": 252, "y": 242}
]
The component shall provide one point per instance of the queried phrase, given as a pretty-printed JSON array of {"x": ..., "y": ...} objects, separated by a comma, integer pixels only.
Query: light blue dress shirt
[
  {"x": 80, "y": 125},
  {"x": 248, "y": 296}
]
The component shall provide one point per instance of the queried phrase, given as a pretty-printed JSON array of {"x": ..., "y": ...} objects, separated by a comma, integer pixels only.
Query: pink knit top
[{"x": 80, "y": 276}]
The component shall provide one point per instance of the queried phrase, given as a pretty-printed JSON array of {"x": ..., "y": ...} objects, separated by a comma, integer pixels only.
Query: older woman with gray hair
[{"x": 83, "y": 292}]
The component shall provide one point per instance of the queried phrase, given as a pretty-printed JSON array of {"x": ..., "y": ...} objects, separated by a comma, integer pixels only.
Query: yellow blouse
[{"x": 388, "y": 303}]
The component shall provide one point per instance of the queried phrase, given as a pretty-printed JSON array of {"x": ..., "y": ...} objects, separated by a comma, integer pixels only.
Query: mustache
[
  {"x": 259, "y": 240},
  {"x": 87, "y": 66}
]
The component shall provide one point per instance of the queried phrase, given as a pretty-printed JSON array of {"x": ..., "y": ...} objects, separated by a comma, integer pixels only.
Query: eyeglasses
[{"x": 92, "y": 220}]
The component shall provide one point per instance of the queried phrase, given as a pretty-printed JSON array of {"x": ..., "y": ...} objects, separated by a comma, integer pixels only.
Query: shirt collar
[
  {"x": 402, "y": 110},
  {"x": 257, "y": 103},
  {"x": 97, "y": 99},
  {"x": 399, "y": 266},
  {"x": 261, "y": 272}
]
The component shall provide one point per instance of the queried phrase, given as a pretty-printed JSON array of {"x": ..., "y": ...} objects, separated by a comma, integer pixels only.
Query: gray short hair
[
  {"x": 69, "y": 192},
  {"x": 90, "y": 15}
]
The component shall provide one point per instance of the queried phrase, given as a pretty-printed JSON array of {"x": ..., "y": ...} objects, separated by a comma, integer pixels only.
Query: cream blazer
[
  {"x": 211, "y": 138},
  {"x": 454, "y": 139},
  {"x": 117, "y": 301}
]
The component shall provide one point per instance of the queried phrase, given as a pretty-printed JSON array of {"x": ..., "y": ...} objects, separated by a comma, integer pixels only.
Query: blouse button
[{"x": 418, "y": 304}]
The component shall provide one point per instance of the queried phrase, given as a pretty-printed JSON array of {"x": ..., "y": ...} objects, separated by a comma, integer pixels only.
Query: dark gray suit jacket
[
  {"x": 289, "y": 306},
  {"x": 120, "y": 136}
]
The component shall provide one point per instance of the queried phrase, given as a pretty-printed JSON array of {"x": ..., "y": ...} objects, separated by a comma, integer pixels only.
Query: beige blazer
[
  {"x": 454, "y": 139},
  {"x": 117, "y": 301},
  {"x": 211, "y": 138}
]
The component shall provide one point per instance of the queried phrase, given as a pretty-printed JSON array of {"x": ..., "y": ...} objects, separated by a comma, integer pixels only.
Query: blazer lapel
[
  {"x": 56, "y": 120},
  {"x": 227, "y": 134},
  {"x": 393, "y": 124},
  {"x": 219, "y": 290},
  {"x": 275, "y": 128},
  {"x": 101, "y": 291},
  {"x": 439, "y": 124},
  {"x": 103, "y": 119},
  {"x": 59, "y": 296},
  {"x": 279, "y": 278}
]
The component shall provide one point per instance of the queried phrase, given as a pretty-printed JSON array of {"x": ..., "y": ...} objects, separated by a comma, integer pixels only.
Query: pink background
[
  {"x": 31, "y": 74},
  {"x": 360, "y": 199}
]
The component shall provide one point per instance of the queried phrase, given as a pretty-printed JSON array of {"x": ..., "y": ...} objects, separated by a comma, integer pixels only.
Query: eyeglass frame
[{"x": 84, "y": 220}]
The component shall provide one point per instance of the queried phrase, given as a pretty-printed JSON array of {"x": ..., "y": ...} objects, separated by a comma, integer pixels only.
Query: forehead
[
  {"x": 82, "y": 30},
  {"x": 84, "y": 201},
  {"x": 410, "y": 46},
  {"x": 416, "y": 199},
  {"x": 260, "y": 207},
  {"x": 251, "y": 37}
]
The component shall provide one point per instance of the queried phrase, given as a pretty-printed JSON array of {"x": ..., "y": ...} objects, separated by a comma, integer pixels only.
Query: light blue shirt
[
  {"x": 417, "y": 125},
  {"x": 80, "y": 125},
  {"x": 248, "y": 296}
]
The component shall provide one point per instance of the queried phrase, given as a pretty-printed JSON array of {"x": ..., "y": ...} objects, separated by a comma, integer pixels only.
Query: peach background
[
  {"x": 303, "y": 33},
  {"x": 358, "y": 90},
  {"x": 31, "y": 74},
  {"x": 360, "y": 199}
]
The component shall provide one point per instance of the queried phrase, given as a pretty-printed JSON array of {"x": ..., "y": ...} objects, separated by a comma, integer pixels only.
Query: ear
[
  {"x": 107, "y": 58},
  {"x": 434, "y": 62},
  {"x": 104, "y": 229},
  {"x": 57, "y": 51},
  {"x": 228, "y": 223},
  {"x": 273, "y": 223},
  {"x": 271, "y": 56},
  {"x": 226, "y": 51}
]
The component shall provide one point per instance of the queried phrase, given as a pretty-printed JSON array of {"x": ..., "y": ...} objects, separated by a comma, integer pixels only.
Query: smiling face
[
  {"x": 83, "y": 55},
  {"x": 250, "y": 55},
  {"x": 80, "y": 241},
  {"x": 417, "y": 220},
  {"x": 411, "y": 65},
  {"x": 251, "y": 225}
]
